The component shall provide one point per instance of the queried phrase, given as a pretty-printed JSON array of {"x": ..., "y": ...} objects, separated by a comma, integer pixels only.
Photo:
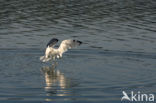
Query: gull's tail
[{"x": 44, "y": 59}]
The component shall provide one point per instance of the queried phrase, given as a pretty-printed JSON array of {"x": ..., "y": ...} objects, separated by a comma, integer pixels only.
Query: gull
[{"x": 52, "y": 53}]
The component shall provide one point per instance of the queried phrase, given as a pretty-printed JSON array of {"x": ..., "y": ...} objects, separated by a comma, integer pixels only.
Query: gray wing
[
  {"x": 68, "y": 44},
  {"x": 52, "y": 42}
]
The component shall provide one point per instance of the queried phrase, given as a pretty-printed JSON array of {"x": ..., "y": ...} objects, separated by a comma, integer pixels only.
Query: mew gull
[{"x": 52, "y": 53}]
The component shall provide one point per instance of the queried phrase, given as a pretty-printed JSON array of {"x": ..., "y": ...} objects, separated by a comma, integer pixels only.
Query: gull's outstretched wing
[
  {"x": 68, "y": 44},
  {"x": 52, "y": 42}
]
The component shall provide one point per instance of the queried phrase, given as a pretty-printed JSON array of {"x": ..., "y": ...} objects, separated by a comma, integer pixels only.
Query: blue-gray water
[{"x": 117, "y": 54}]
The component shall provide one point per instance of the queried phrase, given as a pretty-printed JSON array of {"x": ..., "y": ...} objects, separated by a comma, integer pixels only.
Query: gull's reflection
[{"x": 56, "y": 82}]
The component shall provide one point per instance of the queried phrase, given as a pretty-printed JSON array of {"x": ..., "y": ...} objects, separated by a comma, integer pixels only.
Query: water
[{"x": 118, "y": 50}]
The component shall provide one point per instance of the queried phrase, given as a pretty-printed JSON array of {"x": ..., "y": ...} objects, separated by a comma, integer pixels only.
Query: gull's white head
[{"x": 52, "y": 53}]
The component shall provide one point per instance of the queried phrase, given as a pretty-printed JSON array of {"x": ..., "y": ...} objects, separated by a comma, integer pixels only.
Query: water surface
[{"x": 118, "y": 50}]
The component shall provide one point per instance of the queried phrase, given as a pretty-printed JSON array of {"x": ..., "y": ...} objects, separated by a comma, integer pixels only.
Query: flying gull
[{"x": 53, "y": 53}]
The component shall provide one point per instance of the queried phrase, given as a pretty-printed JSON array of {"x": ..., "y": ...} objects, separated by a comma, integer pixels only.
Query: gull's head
[{"x": 77, "y": 42}]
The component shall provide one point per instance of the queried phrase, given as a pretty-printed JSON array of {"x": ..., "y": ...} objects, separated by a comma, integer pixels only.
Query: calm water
[{"x": 118, "y": 51}]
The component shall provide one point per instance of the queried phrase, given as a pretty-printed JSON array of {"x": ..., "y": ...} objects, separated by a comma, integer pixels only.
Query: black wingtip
[
  {"x": 79, "y": 42},
  {"x": 52, "y": 42},
  {"x": 54, "y": 39}
]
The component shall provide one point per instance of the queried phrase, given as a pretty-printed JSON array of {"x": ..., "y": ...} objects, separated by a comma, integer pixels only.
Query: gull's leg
[
  {"x": 53, "y": 62},
  {"x": 53, "y": 57},
  {"x": 50, "y": 56},
  {"x": 56, "y": 63}
]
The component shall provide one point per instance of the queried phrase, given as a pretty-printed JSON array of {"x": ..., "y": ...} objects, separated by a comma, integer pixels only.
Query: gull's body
[{"x": 52, "y": 53}]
